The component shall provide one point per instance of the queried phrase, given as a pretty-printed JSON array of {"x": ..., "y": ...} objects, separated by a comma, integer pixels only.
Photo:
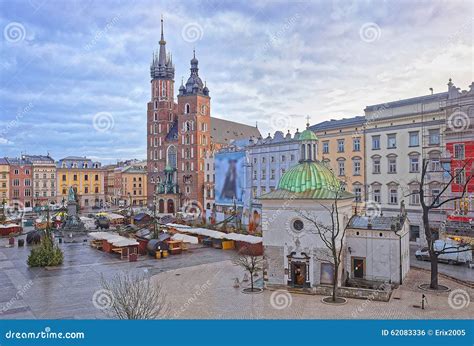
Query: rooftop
[
  {"x": 380, "y": 223},
  {"x": 224, "y": 131},
  {"x": 339, "y": 123},
  {"x": 405, "y": 102}
]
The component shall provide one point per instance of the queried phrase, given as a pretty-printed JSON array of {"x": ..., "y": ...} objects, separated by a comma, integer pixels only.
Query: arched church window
[
  {"x": 163, "y": 88},
  {"x": 187, "y": 108},
  {"x": 171, "y": 156}
]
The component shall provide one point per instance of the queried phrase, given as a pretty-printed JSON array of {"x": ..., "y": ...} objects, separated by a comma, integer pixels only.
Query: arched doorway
[
  {"x": 161, "y": 206},
  {"x": 170, "y": 206}
]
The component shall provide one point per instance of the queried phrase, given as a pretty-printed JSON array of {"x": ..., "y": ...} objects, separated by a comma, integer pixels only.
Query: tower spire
[{"x": 162, "y": 35}]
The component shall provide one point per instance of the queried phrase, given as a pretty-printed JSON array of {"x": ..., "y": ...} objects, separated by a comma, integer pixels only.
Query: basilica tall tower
[
  {"x": 162, "y": 139},
  {"x": 194, "y": 123}
]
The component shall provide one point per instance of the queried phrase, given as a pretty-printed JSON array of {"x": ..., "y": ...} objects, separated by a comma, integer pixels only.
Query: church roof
[
  {"x": 308, "y": 180},
  {"x": 307, "y": 135},
  {"x": 224, "y": 131}
]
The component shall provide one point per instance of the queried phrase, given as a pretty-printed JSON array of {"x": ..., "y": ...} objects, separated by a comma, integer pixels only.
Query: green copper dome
[
  {"x": 308, "y": 180},
  {"x": 307, "y": 135},
  {"x": 309, "y": 176}
]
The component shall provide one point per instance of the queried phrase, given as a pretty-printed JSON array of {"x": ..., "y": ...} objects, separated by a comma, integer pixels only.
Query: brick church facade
[{"x": 179, "y": 134}]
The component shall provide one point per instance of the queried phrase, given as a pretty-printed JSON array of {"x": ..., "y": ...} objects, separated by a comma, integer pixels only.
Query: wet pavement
[
  {"x": 457, "y": 271},
  {"x": 66, "y": 292}
]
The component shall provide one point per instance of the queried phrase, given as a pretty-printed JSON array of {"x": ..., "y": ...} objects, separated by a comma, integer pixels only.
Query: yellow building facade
[
  {"x": 133, "y": 189},
  {"x": 4, "y": 181},
  {"x": 85, "y": 177},
  {"x": 342, "y": 147}
]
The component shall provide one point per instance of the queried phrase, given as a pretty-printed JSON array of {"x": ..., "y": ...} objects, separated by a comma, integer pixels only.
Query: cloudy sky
[{"x": 75, "y": 73}]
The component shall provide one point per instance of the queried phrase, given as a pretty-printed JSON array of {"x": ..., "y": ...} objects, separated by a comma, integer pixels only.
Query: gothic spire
[{"x": 162, "y": 55}]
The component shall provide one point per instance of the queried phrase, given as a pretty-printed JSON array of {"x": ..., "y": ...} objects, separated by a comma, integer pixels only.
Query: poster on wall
[{"x": 230, "y": 175}]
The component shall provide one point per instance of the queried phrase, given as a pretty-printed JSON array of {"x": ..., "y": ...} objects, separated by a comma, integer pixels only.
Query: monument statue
[{"x": 72, "y": 229}]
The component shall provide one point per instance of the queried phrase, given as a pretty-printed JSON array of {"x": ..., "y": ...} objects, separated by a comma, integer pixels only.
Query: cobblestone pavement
[
  {"x": 198, "y": 284},
  {"x": 66, "y": 292},
  {"x": 207, "y": 291}
]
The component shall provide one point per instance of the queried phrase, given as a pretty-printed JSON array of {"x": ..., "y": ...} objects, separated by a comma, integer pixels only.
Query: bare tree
[
  {"x": 134, "y": 296},
  {"x": 332, "y": 235},
  {"x": 250, "y": 262},
  {"x": 435, "y": 203}
]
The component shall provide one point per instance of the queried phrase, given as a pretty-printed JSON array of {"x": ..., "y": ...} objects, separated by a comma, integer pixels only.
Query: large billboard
[{"x": 230, "y": 177}]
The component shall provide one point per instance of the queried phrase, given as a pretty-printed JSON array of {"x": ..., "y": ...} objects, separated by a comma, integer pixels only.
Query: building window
[
  {"x": 340, "y": 145},
  {"x": 283, "y": 158},
  {"x": 264, "y": 174},
  {"x": 414, "y": 164},
  {"x": 414, "y": 197},
  {"x": 16, "y": 171},
  {"x": 341, "y": 167},
  {"x": 375, "y": 142},
  {"x": 326, "y": 147},
  {"x": 272, "y": 159},
  {"x": 414, "y": 139},
  {"x": 298, "y": 225},
  {"x": 459, "y": 151},
  {"x": 435, "y": 196},
  {"x": 391, "y": 141},
  {"x": 393, "y": 196},
  {"x": 414, "y": 232},
  {"x": 292, "y": 157},
  {"x": 358, "y": 193},
  {"x": 392, "y": 165},
  {"x": 356, "y": 167},
  {"x": 356, "y": 144},
  {"x": 255, "y": 175},
  {"x": 272, "y": 174},
  {"x": 377, "y": 195},
  {"x": 187, "y": 108},
  {"x": 376, "y": 165},
  {"x": 433, "y": 137},
  {"x": 263, "y": 160},
  {"x": 460, "y": 176},
  {"x": 435, "y": 164}
]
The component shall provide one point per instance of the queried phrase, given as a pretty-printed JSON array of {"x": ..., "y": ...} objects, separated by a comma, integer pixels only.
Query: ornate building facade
[{"x": 179, "y": 134}]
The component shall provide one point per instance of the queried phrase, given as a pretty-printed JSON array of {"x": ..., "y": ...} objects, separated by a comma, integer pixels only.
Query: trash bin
[
  {"x": 11, "y": 241},
  {"x": 21, "y": 242}
]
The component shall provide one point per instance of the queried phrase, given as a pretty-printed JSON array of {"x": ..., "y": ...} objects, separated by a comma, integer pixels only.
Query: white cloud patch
[{"x": 259, "y": 59}]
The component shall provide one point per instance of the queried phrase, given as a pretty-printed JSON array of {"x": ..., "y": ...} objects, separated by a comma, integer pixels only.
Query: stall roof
[
  {"x": 185, "y": 238},
  {"x": 218, "y": 235}
]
